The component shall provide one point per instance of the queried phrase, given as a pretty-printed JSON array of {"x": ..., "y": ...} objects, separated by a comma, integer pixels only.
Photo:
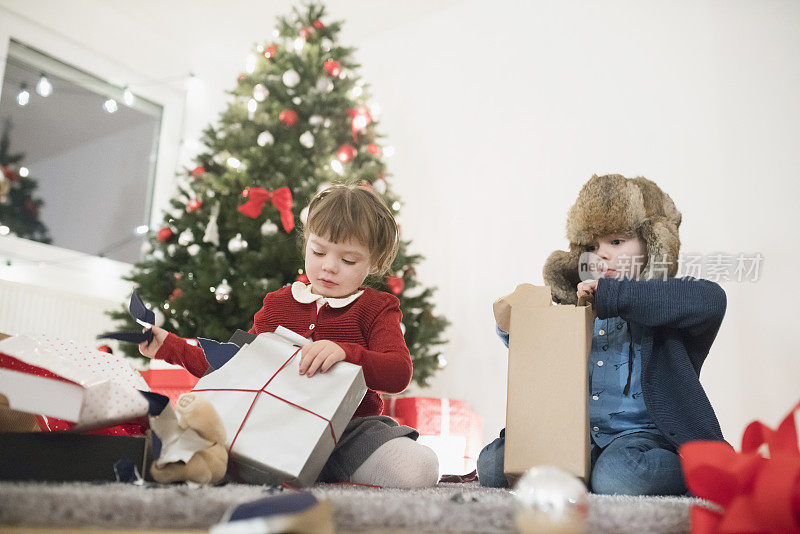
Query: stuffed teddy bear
[{"x": 207, "y": 466}]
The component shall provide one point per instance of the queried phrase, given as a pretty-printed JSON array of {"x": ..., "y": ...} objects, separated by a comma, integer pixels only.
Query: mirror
[{"x": 90, "y": 148}]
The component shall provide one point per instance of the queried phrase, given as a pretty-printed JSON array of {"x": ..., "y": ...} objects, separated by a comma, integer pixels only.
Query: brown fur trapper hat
[{"x": 614, "y": 204}]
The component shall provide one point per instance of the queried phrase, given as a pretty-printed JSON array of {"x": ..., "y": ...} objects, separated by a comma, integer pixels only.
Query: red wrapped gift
[
  {"x": 448, "y": 426},
  {"x": 170, "y": 382},
  {"x": 757, "y": 490}
]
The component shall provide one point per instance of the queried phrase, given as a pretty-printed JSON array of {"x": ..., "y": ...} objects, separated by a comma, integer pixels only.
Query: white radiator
[
  {"x": 27, "y": 309},
  {"x": 61, "y": 293}
]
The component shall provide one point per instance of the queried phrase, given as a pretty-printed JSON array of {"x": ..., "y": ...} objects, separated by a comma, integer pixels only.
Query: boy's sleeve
[
  {"x": 503, "y": 335},
  {"x": 386, "y": 361},
  {"x": 690, "y": 304},
  {"x": 177, "y": 351}
]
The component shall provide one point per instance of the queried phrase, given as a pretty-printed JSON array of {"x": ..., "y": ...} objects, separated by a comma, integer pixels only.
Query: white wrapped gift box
[
  {"x": 94, "y": 389},
  {"x": 281, "y": 426}
]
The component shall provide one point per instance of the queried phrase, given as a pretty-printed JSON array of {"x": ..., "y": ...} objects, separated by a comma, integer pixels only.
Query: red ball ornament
[
  {"x": 288, "y": 117},
  {"x": 395, "y": 284},
  {"x": 302, "y": 278},
  {"x": 198, "y": 171},
  {"x": 176, "y": 293},
  {"x": 333, "y": 68},
  {"x": 193, "y": 205},
  {"x": 318, "y": 24},
  {"x": 373, "y": 148},
  {"x": 306, "y": 32},
  {"x": 270, "y": 51},
  {"x": 346, "y": 153},
  {"x": 165, "y": 234}
]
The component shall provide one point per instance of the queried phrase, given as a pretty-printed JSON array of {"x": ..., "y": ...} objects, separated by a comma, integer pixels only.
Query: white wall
[
  {"x": 500, "y": 111},
  {"x": 500, "y": 114}
]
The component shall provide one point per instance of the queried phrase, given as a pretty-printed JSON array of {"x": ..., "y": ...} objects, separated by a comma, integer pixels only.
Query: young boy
[{"x": 652, "y": 333}]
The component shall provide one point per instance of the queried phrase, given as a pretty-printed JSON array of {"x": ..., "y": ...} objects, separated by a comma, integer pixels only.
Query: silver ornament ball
[
  {"x": 269, "y": 228},
  {"x": 223, "y": 291},
  {"x": 550, "y": 500},
  {"x": 290, "y": 78},
  {"x": 237, "y": 244}
]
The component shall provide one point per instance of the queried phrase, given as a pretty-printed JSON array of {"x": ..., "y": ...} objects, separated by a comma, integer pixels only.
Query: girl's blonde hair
[{"x": 343, "y": 212}]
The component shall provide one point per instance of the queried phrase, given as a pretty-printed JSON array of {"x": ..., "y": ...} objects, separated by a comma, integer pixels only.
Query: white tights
[{"x": 399, "y": 463}]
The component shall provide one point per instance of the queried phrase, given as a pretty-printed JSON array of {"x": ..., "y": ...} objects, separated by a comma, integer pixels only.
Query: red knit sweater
[{"x": 368, "y": 329}]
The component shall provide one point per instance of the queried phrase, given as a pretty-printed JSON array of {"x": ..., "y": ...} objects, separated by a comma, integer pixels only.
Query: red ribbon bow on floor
[
  {"x": 281, "y": 198},
  {"x": 758, "y": 489}
]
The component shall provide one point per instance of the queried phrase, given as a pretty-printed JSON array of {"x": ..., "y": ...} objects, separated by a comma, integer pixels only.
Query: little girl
[{"x": 349, "y": 234}]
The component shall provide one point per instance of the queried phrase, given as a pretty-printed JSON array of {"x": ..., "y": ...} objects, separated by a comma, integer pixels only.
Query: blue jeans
[{"x": 642, "y": 463}]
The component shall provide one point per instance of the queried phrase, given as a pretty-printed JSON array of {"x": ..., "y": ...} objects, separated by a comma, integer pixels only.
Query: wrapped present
[
  {"x": 447, "y": 426},
  {"x": 546, "y": 413},
  {"x": 170, "y": 382},
  {"x": 62, "y": 380},
  {"x": 756, "y": 490},
  {"x": 281, "y": 426}
]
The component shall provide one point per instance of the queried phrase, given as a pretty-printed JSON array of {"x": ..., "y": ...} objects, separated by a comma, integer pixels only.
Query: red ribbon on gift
[
  {"x": 281, "y": 198},
  {"x": 263, "y": 390},
  {"x": 361, "y": 117},
  {"x": 757, "y": 489}
]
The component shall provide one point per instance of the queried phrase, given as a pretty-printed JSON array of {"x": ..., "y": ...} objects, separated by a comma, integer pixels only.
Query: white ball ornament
[
  {"x": 265, "y": 138},
  {"x": 193, "y": 249},
  {"x": 186, "y": 238},
  {"x": 315, "y": 120},
  {"x": 296, "y": 101},
  {"x": 307, "y": 139},
  {"x": 379, "y": 185},
  {"x": 237, "y": 244},
  {"x": 260, "y": 92},
  {"x": 290, "y": 78},
  {"x": 324, "y": 85},
  {"x": 548, "y": 499},
  {"x": 172, "y": 249},
  {"x": 269, "y": 228},
  {"x": 223, "y": 291}
]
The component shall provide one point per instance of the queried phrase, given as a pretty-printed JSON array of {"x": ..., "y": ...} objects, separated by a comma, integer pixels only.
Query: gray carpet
[{"x": 447, "y": 507}]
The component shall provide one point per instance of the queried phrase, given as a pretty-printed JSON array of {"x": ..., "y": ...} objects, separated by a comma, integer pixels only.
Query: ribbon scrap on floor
[{"x": 758, "y": 489}]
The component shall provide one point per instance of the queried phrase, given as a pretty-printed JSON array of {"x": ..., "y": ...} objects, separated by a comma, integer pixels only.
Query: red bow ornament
[
  {"x": 281, "y": 198},
  {"x": 757, "y": 489},
  {"x": 361, "y": 117}
]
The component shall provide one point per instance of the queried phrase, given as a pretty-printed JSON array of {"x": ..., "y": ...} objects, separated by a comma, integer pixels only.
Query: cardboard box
[
  {"x": 65, "y": 456},
  {"x": 281, "y": 426},
  {"x": 547, "y": 420}
]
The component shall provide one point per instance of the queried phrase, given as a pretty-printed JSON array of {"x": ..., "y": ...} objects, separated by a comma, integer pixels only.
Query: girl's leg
[
  {"x": 399, "y": 463},
  {"x": 639, "y": 464}
]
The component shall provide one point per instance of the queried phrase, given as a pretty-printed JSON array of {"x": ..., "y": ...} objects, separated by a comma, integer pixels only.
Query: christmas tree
[
  {"x": 297, "y": 121},
  {"x": 19, "y": 210}
]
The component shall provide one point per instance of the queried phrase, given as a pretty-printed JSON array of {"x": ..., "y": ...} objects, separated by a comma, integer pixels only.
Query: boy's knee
[{"x": 631, "y": 471}]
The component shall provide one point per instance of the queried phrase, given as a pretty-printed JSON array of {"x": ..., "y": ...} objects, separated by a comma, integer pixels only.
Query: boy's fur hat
[{"x": 615, "y": 204}]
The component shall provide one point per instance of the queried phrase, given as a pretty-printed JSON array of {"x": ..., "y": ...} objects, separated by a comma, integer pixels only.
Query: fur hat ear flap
[
  {"x": 560, "y": 272},
  {"x": 662, "y": 248}
]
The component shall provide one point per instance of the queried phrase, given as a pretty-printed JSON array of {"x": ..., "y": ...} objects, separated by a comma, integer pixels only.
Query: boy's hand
[
  {"x": 586, "y": 290},
  {"x": 320, "y": 355},
  {"x": 150, "y": 350}
]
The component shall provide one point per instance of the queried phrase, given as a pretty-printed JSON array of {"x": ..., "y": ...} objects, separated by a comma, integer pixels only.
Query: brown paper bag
[{"x": 547, "y": 415}]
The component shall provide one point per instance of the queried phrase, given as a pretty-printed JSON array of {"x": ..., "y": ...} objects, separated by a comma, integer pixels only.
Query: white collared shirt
[{"x": 302, "y": 293}]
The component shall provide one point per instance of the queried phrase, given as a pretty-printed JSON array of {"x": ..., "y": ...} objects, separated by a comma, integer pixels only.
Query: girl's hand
[
  {"x": 320, "y": 355},
  {"x": 150, "y": 350}
]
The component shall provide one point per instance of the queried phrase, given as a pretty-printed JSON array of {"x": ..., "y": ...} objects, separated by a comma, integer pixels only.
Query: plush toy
[{"x": 207, "y": 466}]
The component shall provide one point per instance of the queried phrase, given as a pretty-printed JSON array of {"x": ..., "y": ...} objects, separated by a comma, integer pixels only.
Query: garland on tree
[
  {"x": 19, "y": 209},
  {"x": 298, "y": 120}
]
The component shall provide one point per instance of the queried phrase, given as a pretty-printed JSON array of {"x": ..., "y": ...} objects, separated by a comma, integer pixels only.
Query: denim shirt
[{"x": 612, "y": 411}]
